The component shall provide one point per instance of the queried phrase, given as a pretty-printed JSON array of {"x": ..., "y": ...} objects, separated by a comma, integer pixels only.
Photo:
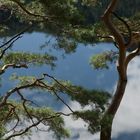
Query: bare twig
[
  {"x": 64, "y": 87},
  {"x": 17, "y": 35},
  {"x": 63, "y": 102},
  {"x": 128, "y": 28},
  {"x": 24, "y": 105},
  {"x": 8, "y": 47}
]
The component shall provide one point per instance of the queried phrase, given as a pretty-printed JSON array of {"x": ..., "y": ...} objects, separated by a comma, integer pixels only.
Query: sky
[{"x": 126, "y": 119}]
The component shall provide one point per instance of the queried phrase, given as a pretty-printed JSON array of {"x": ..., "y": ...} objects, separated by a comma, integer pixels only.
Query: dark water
[{"x": 75, "y": 67}]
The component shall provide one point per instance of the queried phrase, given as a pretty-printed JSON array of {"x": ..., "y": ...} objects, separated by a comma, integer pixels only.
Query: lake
[{"x": 75, "y": 67}]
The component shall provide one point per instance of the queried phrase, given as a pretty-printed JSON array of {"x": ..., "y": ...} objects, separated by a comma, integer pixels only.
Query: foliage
[
  {"x": 99, "y": 61},
  {"x": 95, "y": 100},
  {"x": 28, "y": 58},
  {"x": 47, "y": 115}
]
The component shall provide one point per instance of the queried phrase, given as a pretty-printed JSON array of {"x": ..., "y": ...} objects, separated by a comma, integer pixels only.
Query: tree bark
[
  {"x": 107, "y": 120},
  {"x": 111, "y": 111}
]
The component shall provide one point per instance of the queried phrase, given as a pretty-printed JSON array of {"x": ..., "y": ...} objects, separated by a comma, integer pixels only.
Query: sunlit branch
[
  {"x": 131, "y": 56},
  {"x": 5, "y": 67},
  {"x": 109, "y": 37}
]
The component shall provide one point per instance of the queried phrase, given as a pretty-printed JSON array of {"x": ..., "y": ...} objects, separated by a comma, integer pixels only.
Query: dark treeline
[
  {"x": 93, "y": 13},
  {"x": 90, "y": 13}
]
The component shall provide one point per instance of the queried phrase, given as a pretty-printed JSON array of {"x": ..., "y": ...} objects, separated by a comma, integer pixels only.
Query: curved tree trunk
[
  {"x": 123, "y": 61},
  {"x": 107, "y": 120},
  {"x": 106, "y": 126}
]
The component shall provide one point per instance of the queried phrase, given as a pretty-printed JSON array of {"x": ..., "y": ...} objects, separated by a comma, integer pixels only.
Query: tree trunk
[
  {"x": 106, "y": 126},
  {"x": 107, "y": 120}
]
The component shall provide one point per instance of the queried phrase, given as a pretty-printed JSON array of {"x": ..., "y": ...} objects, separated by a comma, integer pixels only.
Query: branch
[
  {"x": 13, "y": 66},
  {"x": 63, "y": 102},
  {"x": 34, "y": 119},
  {"x": 28, "y": 128},
  {"x": 127, "y": 27},
  {"x": 64, "y": 87},
  {"x": 17, "y": 35},
  {"x": 27, "y": 12},
  {"x": 109, "y": 37},
  {"x": 118, "y": 37},
  {"x": 58, "y": 114},
  {"x": 24, "y": 105},
  {"x": 16, "y": 124},
  {"x": 44, "y": 85},
  {"x": 131, "y": 56},
  {"x": 107, "y": 19},
  {"x": 8, "y": 47}
]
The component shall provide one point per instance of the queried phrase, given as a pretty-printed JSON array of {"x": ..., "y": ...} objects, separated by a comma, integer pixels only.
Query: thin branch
[
  {"x": 131, "y": 56},
  {"x": 35, "y": 124},
  {"x": 44, "y": 85},
  {"x": 16, "y": 124},
  {"x": 127, "y": 27},
  {"x": 63, "y": 102},
  {"x": 24, "y": 105},
  {"x": 59, "y": 83},
  {"x": 17, "y": 35},
  {"x": 8, "y": 47},
  {"x": 109, "y": 37}
]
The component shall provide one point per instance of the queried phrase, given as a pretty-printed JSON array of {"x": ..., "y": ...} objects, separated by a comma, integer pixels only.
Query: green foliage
[
  {"x": 80, "y": 94},
  {"x": 89, "y": 97},
  {"x": 92, "y": 118},
  {"x": 4, "y": 112},
  {"x": 63, "y": 10},
  {"x": 22, "y": 80},
  {"x": 99, "y": 61},
  {"x": 106, "y": 121},
  {"x": 69, "y": 46},
  {"x": 84, "y": 35},
  {"x": 51, "y": 119},
  {"x": 94, "y": 99},
  {"x": 56, "y": 124},
  {"x": 28, "y": 58},
  {"x": 89, "y": 2}
]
